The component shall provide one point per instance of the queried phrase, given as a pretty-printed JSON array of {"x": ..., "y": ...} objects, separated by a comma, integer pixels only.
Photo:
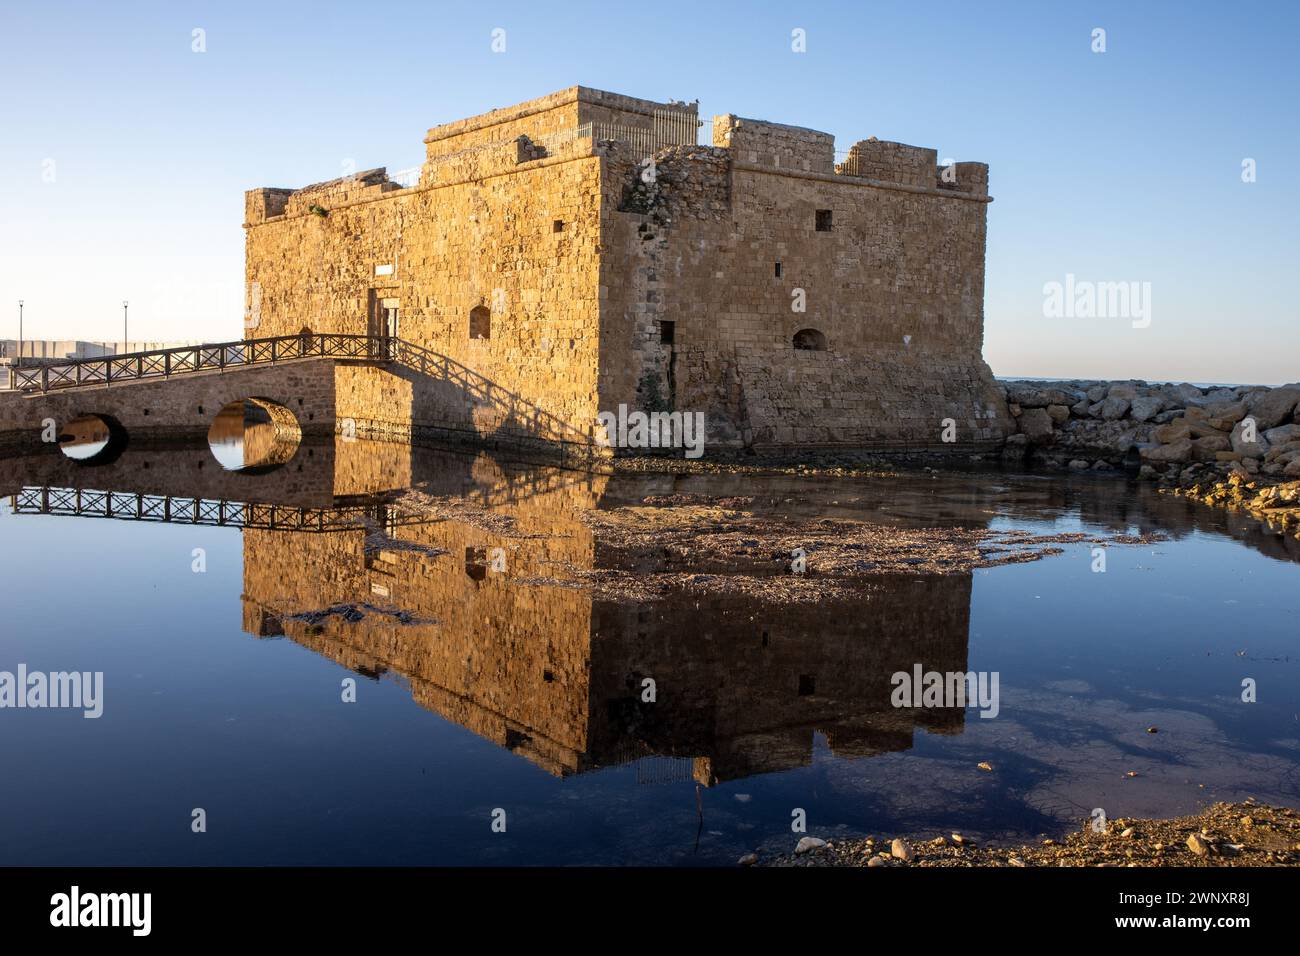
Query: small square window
[
  {"x": 807, "y": 685},
  {"x": 557, "y": 226},
  {"x": 667, "y": 332},
  {"x": 823, "y": 220},
  {"x": 778, "y": 270}
]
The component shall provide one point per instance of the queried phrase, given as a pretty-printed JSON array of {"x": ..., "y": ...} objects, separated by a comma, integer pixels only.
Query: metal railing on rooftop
[{"x": 408, "y": 177}]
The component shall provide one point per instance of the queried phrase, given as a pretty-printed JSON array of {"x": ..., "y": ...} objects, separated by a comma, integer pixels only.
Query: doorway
[
  {"x": 385, "y": 315},
  {"x": 388, "y": 318}
]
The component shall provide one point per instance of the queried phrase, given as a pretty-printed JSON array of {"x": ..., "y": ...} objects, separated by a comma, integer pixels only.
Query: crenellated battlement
[
  {"x": 581, "y": 122},
  {"x": 760, "y": 143}
]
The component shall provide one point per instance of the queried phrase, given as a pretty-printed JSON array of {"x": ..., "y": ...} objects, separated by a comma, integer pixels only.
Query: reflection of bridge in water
[{"x": 172, "y": 509}]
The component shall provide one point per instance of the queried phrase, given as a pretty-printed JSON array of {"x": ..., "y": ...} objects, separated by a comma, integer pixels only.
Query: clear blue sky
[{"x": 1119, "y": 166}]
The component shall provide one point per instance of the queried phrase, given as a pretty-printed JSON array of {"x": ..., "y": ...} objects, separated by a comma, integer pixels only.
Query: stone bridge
[{"x": 365, "y": 385}]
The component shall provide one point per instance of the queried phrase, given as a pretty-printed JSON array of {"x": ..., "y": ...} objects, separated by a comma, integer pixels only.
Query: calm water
[{"x": 482, "y": 684}]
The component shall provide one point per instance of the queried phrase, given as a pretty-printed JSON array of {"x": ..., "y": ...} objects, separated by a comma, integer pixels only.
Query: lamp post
[
  {"x": 124, "y": 336},
  {"x": 18, "y": 359}
]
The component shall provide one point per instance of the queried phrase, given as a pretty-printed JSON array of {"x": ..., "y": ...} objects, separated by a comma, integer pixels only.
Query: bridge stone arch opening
[
  {"x": 254, "y": 435},
  {"x": 92, "y": 439}
]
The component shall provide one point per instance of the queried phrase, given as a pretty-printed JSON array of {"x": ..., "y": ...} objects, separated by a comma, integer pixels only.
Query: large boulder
[
  {"x": 1234, "y": 410},
  {"x": 1172, "y": 431},
  {"x": 1284, "y": 452},
  {"x": 1124, "y": 390},
  {"x": 1177, "y": 451},
  {"x": 1115, "y": 406},
  {"x": 1089, "y": 438},
  {"x": 1037, "y": 395},
  {"x": 1145, "y": 407},
  {"x": 1059, "y": 414},
  {"x": 1282, "y": 434},
  {"x": 1223, "y": 415},
  {"x": 1274, "y": 406},
  {"x": 1214, "y": 397},
  {"x": 1251, "y": 449},
  {"x": 1181, "y": 394},
  {"x": 1199, "y": 424},
  {"x": 1204, "y": 449},
  {"x": 1036, "y": 425}
]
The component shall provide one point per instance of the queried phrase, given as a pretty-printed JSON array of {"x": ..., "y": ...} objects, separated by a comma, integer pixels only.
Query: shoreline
[{"x": 1222, "y": 835}]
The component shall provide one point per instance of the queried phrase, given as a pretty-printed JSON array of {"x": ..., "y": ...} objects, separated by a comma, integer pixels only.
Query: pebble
[
  {"x": 749, "y": 859},
  {"x": 900, "y": 849},
  {"x": 985, "y": 765},
  {"x": 1129, "y": 832},
  {"x": 876, "y": 861},
  {"x": 807, "y": 845},
  {"x": 1196, "y": 843}
]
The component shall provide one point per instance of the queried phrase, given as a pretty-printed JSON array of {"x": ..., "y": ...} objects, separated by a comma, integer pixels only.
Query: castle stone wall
[
  {"x": 585, "y": 269},
  {"x": 895, "y": 285},
  {"x": 441, "y": 252}
]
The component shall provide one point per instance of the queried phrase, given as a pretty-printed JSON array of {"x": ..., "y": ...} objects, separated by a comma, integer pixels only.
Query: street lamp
[
  {"x": 18, "y": 360},
  {"x": 124, "y": 336}
]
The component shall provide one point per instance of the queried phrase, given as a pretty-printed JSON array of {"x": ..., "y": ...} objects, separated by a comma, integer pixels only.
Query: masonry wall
[
  {"x": 895, "y": 286},
  {"x": 490, "y": 244},
  {"x": 541, "y": 118},
  {"x": 580, "y": 262}
]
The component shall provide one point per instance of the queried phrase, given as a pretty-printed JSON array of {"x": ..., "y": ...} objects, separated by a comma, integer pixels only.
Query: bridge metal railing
[
  {"x": 214, "y": 512},
  {"x": 162, "y": 363}
]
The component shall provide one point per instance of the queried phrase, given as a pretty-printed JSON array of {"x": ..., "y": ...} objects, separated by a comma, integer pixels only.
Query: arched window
[
  {"x": 480, "y": 322},
  {"x": 810, "y": 340}
]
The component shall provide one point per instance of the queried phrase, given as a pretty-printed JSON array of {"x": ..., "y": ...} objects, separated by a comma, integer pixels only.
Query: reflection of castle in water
[
  {"x": 555, "y": 674},
  {"x": 552, "y": 672}
]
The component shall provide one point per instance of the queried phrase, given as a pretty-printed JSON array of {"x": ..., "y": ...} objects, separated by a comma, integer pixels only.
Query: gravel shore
[{"x": 1225, "y": 834}]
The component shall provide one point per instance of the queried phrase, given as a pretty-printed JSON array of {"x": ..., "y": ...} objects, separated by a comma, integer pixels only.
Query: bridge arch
[
  {"x": 92, "y": 439},
  {"x": 254, "y": 435}
]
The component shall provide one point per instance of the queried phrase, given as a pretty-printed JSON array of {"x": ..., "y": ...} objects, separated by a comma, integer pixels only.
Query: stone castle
[{"x": 580, "y": 252}]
